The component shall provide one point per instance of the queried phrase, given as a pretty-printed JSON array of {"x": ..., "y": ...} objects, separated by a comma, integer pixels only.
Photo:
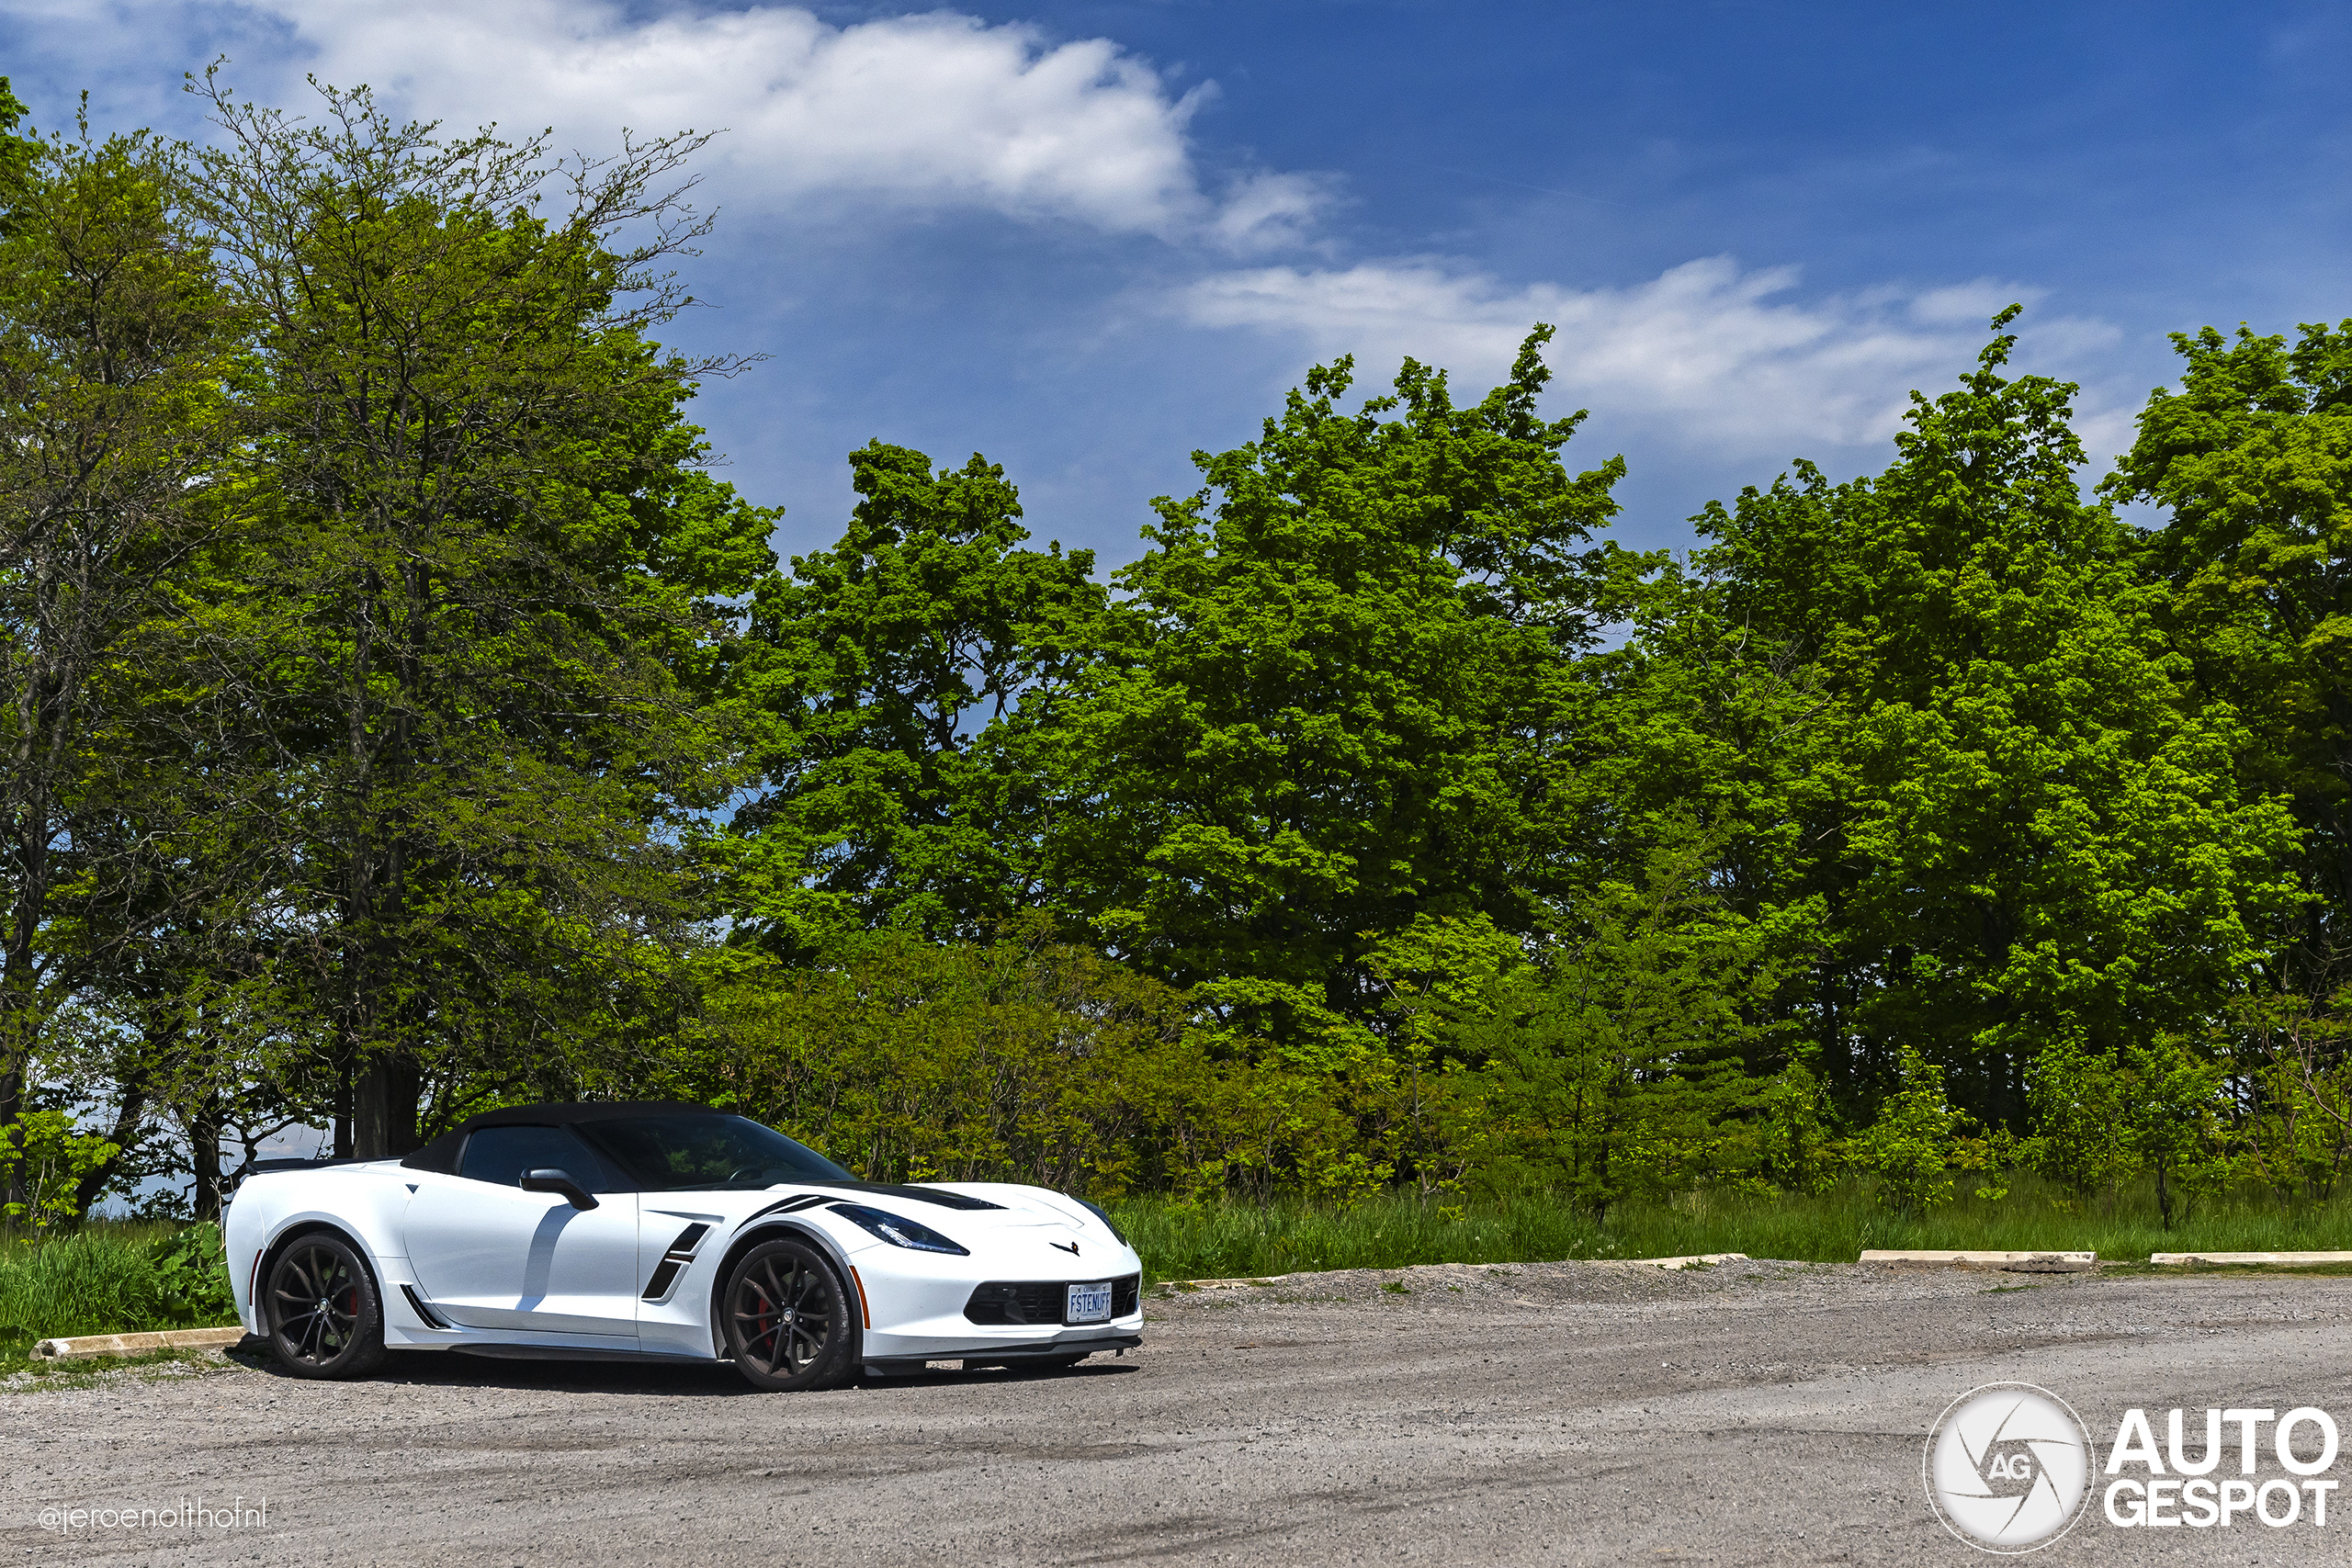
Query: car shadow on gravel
[
  {"x": 943, "y": 1373},
  {"x": 449, "y": 1369},
  {"x": 446, "y": 1369}
]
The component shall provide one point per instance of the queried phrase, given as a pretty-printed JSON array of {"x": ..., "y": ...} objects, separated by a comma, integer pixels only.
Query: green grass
[
  {"x": 102, "y": 1279},
  {"x": 1224, "y": 1240},
  {"x": 105, "y": 1279}
]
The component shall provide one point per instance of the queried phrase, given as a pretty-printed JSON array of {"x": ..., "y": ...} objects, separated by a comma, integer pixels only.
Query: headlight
[
  {"x": 1096, "y": 1209},
  {"x": 889, "y": 1227}
]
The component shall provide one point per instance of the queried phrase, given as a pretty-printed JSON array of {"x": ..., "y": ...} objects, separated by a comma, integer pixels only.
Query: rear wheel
[
  {"x": 324, "y": 1319},
  {"x": 788, "y": 1319}
]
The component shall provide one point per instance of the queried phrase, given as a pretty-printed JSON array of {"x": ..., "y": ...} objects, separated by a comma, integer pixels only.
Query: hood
[{"x": 1044, "y": 1205}]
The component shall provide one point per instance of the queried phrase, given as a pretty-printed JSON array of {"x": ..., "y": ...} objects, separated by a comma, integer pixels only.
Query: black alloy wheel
[
  {"x": 788, "y": 1324},
  {"x": 324, "y": 1320}
]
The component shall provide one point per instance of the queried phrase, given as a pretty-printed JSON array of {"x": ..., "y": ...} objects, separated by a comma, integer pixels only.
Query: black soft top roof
[
  {"x": 441, "y": 1154},
  {"x": 571, "y": 1115}
]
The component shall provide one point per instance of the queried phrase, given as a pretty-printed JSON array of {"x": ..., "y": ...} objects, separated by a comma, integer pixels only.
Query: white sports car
[{"x": 661, "y": 1230}]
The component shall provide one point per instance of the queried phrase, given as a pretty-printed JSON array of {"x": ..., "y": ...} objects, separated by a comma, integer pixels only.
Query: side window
[{"x": 501, "y": 1156}]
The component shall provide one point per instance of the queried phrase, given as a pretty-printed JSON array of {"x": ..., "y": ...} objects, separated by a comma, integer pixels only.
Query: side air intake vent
[
  {"x": 681, "y": 1253},
  {"x": 432, "y": 1319}
]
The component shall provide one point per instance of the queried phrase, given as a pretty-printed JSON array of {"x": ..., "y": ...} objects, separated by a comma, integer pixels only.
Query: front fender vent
[{"x": 681, "y": 1253}]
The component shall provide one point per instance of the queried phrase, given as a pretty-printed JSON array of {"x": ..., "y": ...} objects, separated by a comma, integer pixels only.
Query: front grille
[{"x": 1001, "y": 1303}]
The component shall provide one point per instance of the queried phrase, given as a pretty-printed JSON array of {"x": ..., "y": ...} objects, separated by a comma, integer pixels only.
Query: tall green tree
[
  {"x": 1337, "y": 695},
  {"x": 113, "y": 363},
  {"x": 880, "y": 664},
  {"x": 17, "y": 153},
  {"x": 2044, "y": 831},
  {"x": 482, "y": 582},
  {"x": 2251, "y": 460}
]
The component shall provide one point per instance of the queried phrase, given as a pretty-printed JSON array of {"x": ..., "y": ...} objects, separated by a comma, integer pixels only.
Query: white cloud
[
  {"x": 1266, "y": 210},
  {"x": 941, "y": 112},
  {"x": 932, "y": 112},
  {"x": 1717, "y": 356}
]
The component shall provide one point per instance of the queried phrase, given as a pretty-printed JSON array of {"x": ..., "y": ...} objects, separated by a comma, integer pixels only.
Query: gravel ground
[{"x": 1751, "y": 1413}]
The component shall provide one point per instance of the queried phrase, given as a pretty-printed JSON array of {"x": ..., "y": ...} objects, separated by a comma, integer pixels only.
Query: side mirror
[{"x": 558, "y": 1181}]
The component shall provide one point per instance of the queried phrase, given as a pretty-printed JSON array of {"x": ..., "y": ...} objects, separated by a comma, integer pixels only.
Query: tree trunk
[
  {"x": 204, "y": 1160},
  {"x": 384, "y": 1114},
  {"x": 12, "y": 1105},
  {"x": 20, "y": 985},
  {"x": 127, "y": 1115},
  {"x": 345, "y": 1077}
]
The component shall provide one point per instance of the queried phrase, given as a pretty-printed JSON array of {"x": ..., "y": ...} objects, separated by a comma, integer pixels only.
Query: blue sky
[{"x": 1085, "y": 238}]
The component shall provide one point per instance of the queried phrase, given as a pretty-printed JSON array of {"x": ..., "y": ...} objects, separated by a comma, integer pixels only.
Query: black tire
[
  {"x": 321, "y": 1304},
  {"x": 788, "y": 1320}
]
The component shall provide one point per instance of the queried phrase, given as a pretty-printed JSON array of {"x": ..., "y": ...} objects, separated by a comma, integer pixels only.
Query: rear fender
[{"x": 362, "y": 1206}]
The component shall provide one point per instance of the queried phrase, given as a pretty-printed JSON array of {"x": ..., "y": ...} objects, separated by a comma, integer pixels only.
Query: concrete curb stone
[
  {"x": 137, "y": 1344},
  {"x": 2007, "y": 1262},
  {"x": 1696, "y": 1260}
]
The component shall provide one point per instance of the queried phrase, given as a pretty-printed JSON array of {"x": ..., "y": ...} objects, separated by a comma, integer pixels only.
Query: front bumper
[
  {"x": 1011, "y": 1355},
  {"x": 914, "y": 1304}
]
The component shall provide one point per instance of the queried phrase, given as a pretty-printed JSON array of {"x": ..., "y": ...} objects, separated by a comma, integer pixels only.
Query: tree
[
  {"x": 1018, "y": 1060},
  {"x": 2251, "y": 460},
  {"x": 1334, "y": 696},
  {"x": 2084, "y": 1106},
  {"x": 2292, "y": 1078},
  {"x": 113, "y": 359},
  {"x": 1612, "y": 1066},
  {"x": 1910, "y": 1144},
  {"x": 479, "y": 586},
  {"x": 883, "y": 662},
  {"x": 2177, "y": 1122},
  {"x": 17, "y": 153},
  {"x": 2044, "y": 832}
]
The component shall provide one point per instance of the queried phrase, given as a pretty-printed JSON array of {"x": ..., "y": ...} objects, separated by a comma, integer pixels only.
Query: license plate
[{"x": 1089, "y": 1303}]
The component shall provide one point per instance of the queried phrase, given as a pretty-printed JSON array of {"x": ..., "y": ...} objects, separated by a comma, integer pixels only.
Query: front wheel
[
  {"x": 324, "y": 1320},
  {"x": 787, "y": 1320}
]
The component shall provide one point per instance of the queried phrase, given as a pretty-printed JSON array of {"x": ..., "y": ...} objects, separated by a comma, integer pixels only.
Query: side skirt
[{"x": 568, "y": 1353}]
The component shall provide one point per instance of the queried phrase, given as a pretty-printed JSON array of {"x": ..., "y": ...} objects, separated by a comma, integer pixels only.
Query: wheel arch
[
  {"x": 275, "y": 1246},
  {"x": 782, "y": 1229}
]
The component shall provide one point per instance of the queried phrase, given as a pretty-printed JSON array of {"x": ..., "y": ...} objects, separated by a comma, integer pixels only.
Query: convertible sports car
[{"x": 664, "y": 1230}]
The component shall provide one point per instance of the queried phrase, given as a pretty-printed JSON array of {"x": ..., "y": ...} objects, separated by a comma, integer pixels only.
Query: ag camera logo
[{"x": 2008, "y": 1467}]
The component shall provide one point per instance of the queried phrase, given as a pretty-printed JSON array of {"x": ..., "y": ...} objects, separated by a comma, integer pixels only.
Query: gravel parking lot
[{"x": 1548, "y": 1413}]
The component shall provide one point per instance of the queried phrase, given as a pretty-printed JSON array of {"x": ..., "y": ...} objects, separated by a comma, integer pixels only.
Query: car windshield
[{"x": 666, "y": 1154}]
